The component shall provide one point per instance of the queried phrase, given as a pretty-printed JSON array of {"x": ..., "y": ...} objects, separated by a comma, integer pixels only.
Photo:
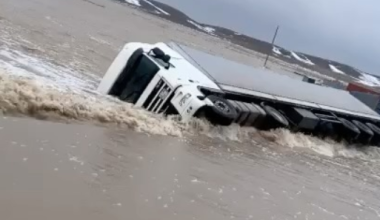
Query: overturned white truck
[{"x": 171, "y": 78}]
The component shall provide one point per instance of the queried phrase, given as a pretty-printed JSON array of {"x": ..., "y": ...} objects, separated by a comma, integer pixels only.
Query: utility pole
[{"x": 274, "y": 38}]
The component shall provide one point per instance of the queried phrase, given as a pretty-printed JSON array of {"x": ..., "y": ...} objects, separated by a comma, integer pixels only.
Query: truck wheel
[
  {"x": 274, "y": 119},
  {"x": 376, "y": 133},
  {"x": 347, "y": 130},
  {"x": 222, "y": 112},
  {"x": 366, "y": 133}
]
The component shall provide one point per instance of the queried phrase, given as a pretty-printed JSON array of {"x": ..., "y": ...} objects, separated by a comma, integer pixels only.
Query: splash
[
  {"x": 284, "y": 137},
  {"x": 231, "y": 133},
  {"x": 326, "y": 147},
  {"x": 24, "y": 96}
]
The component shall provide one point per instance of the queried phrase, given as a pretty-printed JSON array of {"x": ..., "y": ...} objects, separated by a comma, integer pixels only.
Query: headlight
[{"x": 184, "y": 99}]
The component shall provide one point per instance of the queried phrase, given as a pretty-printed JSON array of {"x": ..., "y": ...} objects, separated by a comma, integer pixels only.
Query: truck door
[{"x": 133, "y": 80}]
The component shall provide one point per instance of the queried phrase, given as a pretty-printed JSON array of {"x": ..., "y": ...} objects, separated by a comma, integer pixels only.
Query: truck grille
[{"x": 158, "y": 100}]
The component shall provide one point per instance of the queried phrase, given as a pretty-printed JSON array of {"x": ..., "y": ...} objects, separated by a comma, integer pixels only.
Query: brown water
[
  {"x": 71, "y": 171},
  {"x": 94, "y": 157}
]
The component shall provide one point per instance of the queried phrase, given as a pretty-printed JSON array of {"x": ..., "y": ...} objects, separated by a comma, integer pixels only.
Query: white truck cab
[{"x": 155, "y": 77}]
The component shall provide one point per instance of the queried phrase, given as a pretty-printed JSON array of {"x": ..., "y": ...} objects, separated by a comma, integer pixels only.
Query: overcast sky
[{"x": 343, "y": 30}]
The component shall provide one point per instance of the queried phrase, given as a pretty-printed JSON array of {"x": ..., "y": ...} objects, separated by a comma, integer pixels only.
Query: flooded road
[
  {"x": 73, "y": 171},
  {"x": 94, "y": 157}
]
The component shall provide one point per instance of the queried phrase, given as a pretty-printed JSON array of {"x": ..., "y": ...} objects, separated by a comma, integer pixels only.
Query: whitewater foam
[{"x": 326, "y": 147}]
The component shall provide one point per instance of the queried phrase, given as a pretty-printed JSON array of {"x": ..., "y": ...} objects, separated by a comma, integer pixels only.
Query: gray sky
[{"x": 342, "y": 30}]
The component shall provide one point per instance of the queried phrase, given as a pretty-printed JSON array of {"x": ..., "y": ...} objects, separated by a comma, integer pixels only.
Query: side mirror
[
  {"x": 158, "y": 52},
  {"x": 166, "y": 58}
]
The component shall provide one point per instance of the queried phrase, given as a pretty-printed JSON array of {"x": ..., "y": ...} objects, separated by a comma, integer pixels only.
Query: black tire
[
  {"x": 347, "y": 130},
  {"x": 274, "y": 119},
  {"x": 349, "y": 125},
  {"x": 376, "y": 137},
  {"x": 222, "y": 113},
  {"x": 118, "y": 86},
  {"x": 366, "y": 133},
  {"x": 374, "y": 128}
]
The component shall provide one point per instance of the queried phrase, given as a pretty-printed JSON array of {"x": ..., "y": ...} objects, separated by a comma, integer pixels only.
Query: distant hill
[{"x": 328, "y": 67}]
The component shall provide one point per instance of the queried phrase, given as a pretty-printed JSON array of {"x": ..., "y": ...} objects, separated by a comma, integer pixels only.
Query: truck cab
[{"x": 158, "y": 79}]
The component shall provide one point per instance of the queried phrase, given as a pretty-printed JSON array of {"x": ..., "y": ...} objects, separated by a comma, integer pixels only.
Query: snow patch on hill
[
  {"x": 157, "y": 10},
  {"x": 156, "y": 7},
  {"x": 336, "y": 70},
  {"x": 301, "y": 58},
  {"x": 133, "y": 2},
  {"x": 276, "y": 50},
  {"x": 206, "y": 29}
]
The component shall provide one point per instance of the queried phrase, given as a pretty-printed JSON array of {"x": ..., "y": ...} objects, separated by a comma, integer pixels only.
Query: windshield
[{"x": 140, "y": 75}]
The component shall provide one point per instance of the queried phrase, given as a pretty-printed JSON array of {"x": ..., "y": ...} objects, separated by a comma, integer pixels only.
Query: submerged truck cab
[
  {"x": 160, "y": 80},
  {"x": 169, "y": 78}
]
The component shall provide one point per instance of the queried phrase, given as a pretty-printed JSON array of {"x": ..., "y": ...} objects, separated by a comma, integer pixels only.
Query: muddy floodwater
[
  {"x": 71, "y": 171},
  {"x": 68, "y": 152}
]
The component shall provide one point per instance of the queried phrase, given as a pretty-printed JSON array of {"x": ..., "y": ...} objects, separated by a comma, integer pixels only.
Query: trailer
[{"x": 170, "y": 78}]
